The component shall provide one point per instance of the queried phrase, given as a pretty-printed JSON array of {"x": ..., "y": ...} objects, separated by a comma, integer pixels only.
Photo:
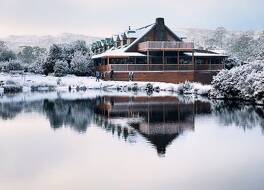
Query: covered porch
[{"x": 160, "y": 61}]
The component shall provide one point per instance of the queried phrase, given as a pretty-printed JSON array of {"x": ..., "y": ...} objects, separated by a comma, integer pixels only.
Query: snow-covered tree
[
  {"x": 13, "y": 65},
  {"x": 219, "y": 36},
  {"x": 2, "y": 45},
  {"x": 61, "y": 68},
  {"x": 64, "y": 52},
  {"x": 37, "y": 65},
  {"x": 80, "y": 46},
  {"x": 81, "y": 65},
  {"x": 7, "y": 55},
  {"x": 246, "y": 82},
  {"x": 55, "y": 54},
  {"x": 29, "y": 54}
]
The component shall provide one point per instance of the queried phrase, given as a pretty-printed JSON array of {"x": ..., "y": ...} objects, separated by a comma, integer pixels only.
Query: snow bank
[{"x": 33, "y": 82}]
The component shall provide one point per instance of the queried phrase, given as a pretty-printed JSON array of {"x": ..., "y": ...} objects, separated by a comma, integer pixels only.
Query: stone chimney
[
  {"x": 160, "y": 30},
  {"x": 160, "y": 21}
]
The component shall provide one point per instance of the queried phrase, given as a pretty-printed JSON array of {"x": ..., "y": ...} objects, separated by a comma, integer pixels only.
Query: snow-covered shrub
[
  {"x": 81, "y": 65},
  {"x": 246, "y": 82},
  {"x": 61, "y": 68},
  {"x": 11, "y": 87},
  {"x": 201, "y": 89},
  {"x": 149, "y": 88},
  {"x": 184, "y": 88}
]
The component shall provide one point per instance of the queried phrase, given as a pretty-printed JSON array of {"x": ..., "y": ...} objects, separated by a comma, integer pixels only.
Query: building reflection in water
[{"x": 158, "y": 119}]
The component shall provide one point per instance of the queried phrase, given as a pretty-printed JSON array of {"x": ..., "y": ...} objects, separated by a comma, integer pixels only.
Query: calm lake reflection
[{"x": 136, "y": 142}]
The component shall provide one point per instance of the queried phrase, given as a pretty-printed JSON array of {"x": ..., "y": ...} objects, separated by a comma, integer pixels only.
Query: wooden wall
[{"x": 171, "y": 77}]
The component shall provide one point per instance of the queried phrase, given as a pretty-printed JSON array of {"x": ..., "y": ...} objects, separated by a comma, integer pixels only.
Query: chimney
[
  {"x": 160, "y": 30},
  {"x": 160, "y": 21}
]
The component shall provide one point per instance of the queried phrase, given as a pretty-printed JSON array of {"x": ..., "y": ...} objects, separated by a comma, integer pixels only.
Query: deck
[{"x": 165, "y": 46}]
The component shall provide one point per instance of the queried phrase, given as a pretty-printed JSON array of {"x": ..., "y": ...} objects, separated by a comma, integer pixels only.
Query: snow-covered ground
[{"x": 43, "y": 83}]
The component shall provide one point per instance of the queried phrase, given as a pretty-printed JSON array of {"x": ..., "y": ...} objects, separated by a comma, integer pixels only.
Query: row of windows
[{"x": 159, "y": 60}]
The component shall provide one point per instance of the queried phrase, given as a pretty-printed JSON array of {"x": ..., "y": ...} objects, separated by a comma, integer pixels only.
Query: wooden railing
[
  {"x": 165, "y": 67},
  {"x": 214, "y": 67},
  {"x": 103, "y": 68},
  {"x": 160, "y": 67},
  {"x": 165, "y": 45}
]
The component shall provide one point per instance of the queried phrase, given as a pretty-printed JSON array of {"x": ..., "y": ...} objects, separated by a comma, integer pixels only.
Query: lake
[{"x": 55, "y": 141}]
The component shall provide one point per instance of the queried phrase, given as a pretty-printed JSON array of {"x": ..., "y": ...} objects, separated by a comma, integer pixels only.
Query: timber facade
[{"x": 154, "y": 53}]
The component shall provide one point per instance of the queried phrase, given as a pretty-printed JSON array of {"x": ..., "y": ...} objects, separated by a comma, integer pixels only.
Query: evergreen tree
[{"x": 61, "y": 68}]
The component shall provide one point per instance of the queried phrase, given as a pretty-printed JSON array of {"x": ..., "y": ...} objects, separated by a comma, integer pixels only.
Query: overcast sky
[{"x": 106, "y": 17}]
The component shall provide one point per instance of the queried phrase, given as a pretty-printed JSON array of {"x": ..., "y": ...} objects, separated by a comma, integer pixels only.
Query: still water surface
[{"x": 113, "y": 142}]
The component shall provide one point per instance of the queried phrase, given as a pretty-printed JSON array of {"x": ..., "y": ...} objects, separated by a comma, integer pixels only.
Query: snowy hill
[
  {"x": 244, "y": 45},
  {"x": 14, "y": 41}
]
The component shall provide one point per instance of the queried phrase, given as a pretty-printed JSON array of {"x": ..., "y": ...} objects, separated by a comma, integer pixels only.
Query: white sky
[{"x": 105, "y": 17}]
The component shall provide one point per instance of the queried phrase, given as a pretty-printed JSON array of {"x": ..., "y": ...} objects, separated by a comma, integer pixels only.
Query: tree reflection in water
[
  {"x": 241, "y": 115},
  {"x": 159, "y": 120},
  {"x": 76, "y": 114}
]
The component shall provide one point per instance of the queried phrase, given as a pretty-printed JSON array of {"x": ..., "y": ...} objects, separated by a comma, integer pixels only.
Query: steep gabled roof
[
  {"x": 173, "y": 34},
  {"x": 140, "y": 33}
]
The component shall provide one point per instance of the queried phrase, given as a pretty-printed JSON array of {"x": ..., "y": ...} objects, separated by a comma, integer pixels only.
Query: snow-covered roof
[
  {"x": 198, "y": 54},
  {"x": 118, "y": 53},
  {"x": 114, "y": 37},
  {"x": 131, "y": 34},
  {"x": 140, "y": 33},
  {"x": 121, "y": 52},
  {"x": 219, "y": 51}
]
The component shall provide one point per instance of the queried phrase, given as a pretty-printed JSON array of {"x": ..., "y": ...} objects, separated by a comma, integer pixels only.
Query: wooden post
[
  {"x": 193, "y": 61},
  {"x": 126, "y": 64},
  {"x": 210, "y": 62},
  {"x": 108, "y": 62},
  {"x": 178, "y": 60},
  {"x": 148, "y": 59},
  {"x": 163, "y": 59}
]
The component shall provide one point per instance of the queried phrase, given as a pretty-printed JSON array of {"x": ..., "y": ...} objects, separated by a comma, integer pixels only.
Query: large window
[
  {"x": 156, "y": 60},
  {"x": 185, "y": 60},
  {"x": 200, "y": 61},
  {"x": 141, "y": 60},
  {"x": 216, "y": 60},
  {"x": 171, "y": 60}
]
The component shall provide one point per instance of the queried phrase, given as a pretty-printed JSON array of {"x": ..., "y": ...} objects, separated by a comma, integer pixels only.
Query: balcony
[{"x": 165, "y": 46}]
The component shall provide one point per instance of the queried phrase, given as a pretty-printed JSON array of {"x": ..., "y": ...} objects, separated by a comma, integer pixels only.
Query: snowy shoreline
[
  {"x": 33, "y": 82},
  {"x": 70, "y": 83}
]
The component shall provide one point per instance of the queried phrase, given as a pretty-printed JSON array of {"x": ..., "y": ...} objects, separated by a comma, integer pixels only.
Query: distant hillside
[
  {"x": 14, "y": 42},
  {"x": 244, "y": 45}
]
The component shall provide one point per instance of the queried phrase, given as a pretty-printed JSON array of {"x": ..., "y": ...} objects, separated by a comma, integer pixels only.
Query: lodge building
[{"x": 154, "y": 53}]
